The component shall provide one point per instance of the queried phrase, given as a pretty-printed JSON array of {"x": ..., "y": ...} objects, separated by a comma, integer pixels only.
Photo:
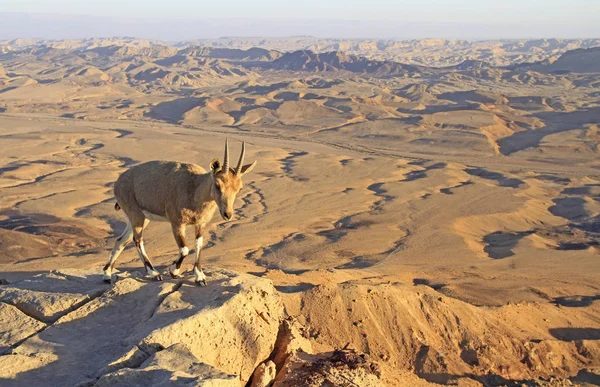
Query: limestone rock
[
  {"x": 15, "y": 326},
  {"x": 47, "y": 297},
  {"x": 88, "y": 338},
  {"x": 230, "y": 325},
  {"x": 236, "y": 311},
  {"x": 264, "y": 374},
  {"x": 174, "y": 366}
]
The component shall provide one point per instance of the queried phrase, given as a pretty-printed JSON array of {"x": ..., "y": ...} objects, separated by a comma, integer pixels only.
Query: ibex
[{"x": 179, "y": 193}]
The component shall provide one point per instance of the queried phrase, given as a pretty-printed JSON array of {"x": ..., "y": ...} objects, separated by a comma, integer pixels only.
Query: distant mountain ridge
[
  {"x": 425, "y": 52},
  {"x": 253, "y": 53},
  {"x": 581, "y": 60},
  {"x": 140, "y": 62},
  {"x": 305, "y": 60}
]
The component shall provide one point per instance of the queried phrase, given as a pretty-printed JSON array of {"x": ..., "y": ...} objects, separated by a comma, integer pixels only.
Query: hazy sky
[
  {"x": 488, "y": 11},
  {"x": 529, "y": 18}
]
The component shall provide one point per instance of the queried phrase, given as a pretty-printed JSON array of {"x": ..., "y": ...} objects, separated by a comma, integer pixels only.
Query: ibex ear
[
  {"x": 215, "y": 166},
  {"x": 248, "y": 167}
]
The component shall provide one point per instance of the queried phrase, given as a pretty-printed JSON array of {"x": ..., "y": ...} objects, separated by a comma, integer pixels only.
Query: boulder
[
  {"x": 264, "y": 374},
  {"x": 232, "y": 324},
  {"x": 229, "y": 326}
]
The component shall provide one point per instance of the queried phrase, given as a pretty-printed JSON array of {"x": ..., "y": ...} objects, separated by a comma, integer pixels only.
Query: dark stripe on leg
[
  {"x": 138, "y": 245},
  {"x": 148, "y": 264},
  {"x": 179, "y": 262}
]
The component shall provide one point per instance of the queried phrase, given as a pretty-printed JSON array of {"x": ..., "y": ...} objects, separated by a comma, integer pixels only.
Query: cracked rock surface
[
  {"x": 175, "y": 366},
  {"x": 117, "y": 335},
  {"x": 47, "y": 297},
  {"x": 15, "y": 326}
]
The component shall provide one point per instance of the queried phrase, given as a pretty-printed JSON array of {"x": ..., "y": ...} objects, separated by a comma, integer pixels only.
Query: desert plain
[{"x": 433, "y": 205}]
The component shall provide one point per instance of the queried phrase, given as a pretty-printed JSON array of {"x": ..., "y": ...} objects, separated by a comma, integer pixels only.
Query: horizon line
[{"x": 61, "y": 26}]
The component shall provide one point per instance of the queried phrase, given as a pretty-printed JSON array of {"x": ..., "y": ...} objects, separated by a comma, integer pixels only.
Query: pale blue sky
[
  {"x": 487, "y": 11},
  {"x": 431, "y": 18}
]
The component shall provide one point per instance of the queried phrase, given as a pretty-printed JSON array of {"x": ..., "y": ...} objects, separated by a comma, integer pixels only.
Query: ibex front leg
[
  {"x": 179, "y": 234},
  {"x": 200, "y": 277}
]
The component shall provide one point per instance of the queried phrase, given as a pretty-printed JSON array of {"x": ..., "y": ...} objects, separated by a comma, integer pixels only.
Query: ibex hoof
[
  {"x": 158, "y": 277},
  {"x": 174, "y": 273},
  {"x": 106, "y": 280},
  {"x": 201, "y": 282}
]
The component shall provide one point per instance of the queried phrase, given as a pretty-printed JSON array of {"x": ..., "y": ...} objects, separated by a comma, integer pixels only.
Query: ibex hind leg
[
  {"x": 122, "y": 241},
  {"x": 138, "y": 229}
]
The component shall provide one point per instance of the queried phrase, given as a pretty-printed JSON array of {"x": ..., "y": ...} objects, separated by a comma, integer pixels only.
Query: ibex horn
[
  {"x": 238, "y": 169},
  {"x": 225, "y": 167}
]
